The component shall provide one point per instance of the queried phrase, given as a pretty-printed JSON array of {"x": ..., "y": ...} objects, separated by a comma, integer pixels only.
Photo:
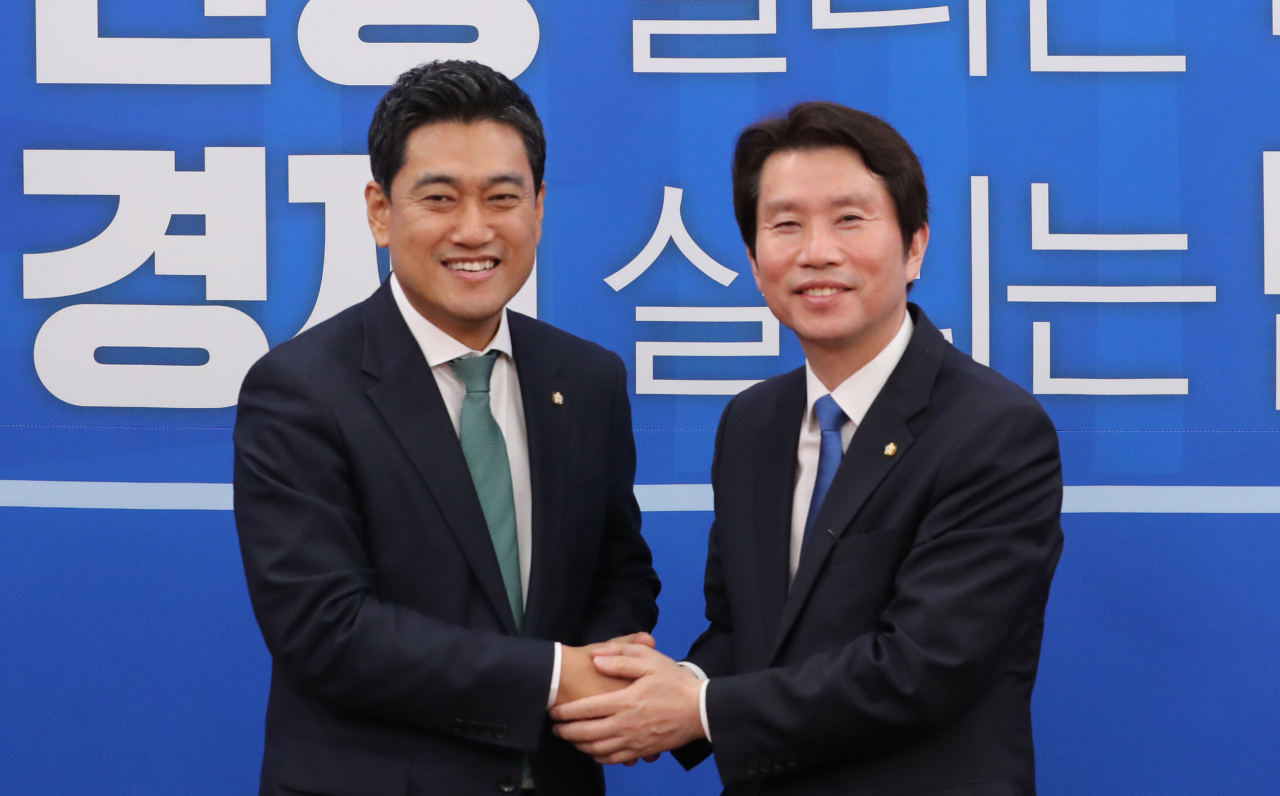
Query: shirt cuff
[
  {"x": 702, "y": 710},
  {"x": 702, "y": 695},
  {"x": 555, "y": 680}
]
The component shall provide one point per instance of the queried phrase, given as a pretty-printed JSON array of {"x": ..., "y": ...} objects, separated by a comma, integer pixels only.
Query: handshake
[{"x": 622, "y": 701}]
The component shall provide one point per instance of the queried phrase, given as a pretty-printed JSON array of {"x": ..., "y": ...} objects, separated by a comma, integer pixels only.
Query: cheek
[
  {"x": 771, "y": 262},
  {"x": 522, "y": 231},
  {"x": 772, "y": 282}
]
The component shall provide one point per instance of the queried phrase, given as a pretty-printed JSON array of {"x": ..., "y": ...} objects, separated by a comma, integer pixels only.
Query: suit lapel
[
  {"x": 409, "y": 401},
  {"x": 866, "y": 463},
  {"x": 547, "y": 426},
  {"x": 775, "y": 481}
]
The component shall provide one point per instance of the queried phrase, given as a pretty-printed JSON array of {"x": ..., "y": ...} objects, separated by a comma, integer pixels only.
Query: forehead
[
  {"x": 830, "y": 174},
  {"x": 462, "y": 149}
]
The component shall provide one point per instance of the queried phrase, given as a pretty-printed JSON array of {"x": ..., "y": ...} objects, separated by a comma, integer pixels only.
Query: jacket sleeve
[
  {"x": 312, "y": 587},
  {"x": 968, "y": 593},
  {"x": 713, "y": 650},
  {"x": 624, "y": 589}
]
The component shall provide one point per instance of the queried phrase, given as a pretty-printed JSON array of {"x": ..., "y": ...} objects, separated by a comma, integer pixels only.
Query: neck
[
  {"x": 474, "y": 335},
  {"x": 833, "y": 362}
]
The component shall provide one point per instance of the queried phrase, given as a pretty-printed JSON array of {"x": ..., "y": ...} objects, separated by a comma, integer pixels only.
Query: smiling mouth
[
  {"x": 471, "y": 266},
  {"x": 823, "y": 291}
]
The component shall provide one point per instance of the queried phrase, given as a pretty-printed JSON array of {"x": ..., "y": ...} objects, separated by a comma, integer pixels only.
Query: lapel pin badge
[
  {"x": 891, "y": 449},
  {"x": 557, "y": 399}
]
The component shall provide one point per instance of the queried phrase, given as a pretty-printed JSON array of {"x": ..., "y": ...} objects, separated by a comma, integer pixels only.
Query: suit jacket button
[
  {"x": 473, "y": 728},
  {"x": 752, "y": 768},
  {"x": 779, "y": 762},
  {"x": 793, "y": 760},
  {"x": 459, "y": 726},
  {"x": 486, "y": 731},
  {"x": 500, "y": 731},
  {"x": 507, "y": 783},
  {"x": 764, "y": 766}
]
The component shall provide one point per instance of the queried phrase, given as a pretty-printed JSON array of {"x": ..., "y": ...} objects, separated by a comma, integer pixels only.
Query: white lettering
[
  {"x": 670, "y": 228},
  {"x": 978, "y": 38},
  {"x": 69, "y": 50},
  {"x": 980, "y": 242},
  {"x": 643, "y": 30},
  {"x": 1043, "y": 383},
  {"x": 1044, "y": 240},
  {"x": 230, "y": 193},
  {"x": 825, "y": 19},
  {"x": 1042, "y": 61},
  {"x": 350, "y": 271},
  {"x": 329, "y": 36},
  {"x": 65, "y": 363},
  {"x": 1271, "y": 222},
  {"x": 646, "y": 351},
  {"x": 235, "y": 8}
]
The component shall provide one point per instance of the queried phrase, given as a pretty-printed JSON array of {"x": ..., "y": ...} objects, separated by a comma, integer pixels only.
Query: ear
[
  {"x": 755, "y": 269},
  {"x": 915, "y": 254},
  {"x": 378, "y": 205},
  {"x": 539, "y": 207}
]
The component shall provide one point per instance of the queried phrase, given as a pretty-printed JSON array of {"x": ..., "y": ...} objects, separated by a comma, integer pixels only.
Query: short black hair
[
  {"x": 450, "y": 91},
  {"x": 822, "y": 125}
]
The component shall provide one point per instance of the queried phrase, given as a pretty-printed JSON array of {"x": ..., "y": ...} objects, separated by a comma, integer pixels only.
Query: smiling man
[
  {"x": 886, "y": 522},
  {"x": 434, "y": 496}
]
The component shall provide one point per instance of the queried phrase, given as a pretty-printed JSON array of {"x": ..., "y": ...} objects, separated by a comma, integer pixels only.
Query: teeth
[
  {"x": 823, "y": 291},
  {"x": 471, "y": 265}
]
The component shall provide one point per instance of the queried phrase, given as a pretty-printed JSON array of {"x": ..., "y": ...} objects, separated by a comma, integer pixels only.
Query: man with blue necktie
[{"x": 886, "y": 522}]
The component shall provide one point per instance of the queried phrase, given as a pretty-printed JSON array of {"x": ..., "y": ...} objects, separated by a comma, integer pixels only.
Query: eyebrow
[
  {"x": 434, "y": 178},
  {"x": 440, "y": 178},
  {"x": 509, "y": 177},
  {"x": 784, "y": 205}
]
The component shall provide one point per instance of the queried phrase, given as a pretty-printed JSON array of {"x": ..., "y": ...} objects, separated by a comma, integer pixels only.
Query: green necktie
[{"x": 486, "y": 454}]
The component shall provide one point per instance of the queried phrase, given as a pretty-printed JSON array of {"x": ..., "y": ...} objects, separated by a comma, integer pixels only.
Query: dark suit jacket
[
  {"x": 397, "y": 668},
  {"x": 903, "y": 656}
]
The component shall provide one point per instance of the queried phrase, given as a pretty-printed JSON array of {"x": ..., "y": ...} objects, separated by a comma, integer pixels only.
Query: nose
[
  {"x": 472, "y": 229},
  {"x": 820, "y": 248}
]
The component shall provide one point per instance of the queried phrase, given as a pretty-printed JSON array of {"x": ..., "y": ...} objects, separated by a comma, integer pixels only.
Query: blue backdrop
[{"x": 180, "y": 189}]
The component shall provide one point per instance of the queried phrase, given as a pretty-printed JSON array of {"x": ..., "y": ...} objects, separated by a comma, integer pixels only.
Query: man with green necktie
[{"x": 434, "y": 495}]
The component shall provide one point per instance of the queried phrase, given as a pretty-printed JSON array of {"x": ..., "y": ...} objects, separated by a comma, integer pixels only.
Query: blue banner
[{"x": 182, "y": 189}]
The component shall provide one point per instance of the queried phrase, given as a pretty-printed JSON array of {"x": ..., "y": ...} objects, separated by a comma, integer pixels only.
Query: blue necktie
[{"x": 830, "y": 418}]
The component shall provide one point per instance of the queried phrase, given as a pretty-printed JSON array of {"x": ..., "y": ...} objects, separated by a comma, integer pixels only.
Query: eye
[{"x": 505, "y": 199}]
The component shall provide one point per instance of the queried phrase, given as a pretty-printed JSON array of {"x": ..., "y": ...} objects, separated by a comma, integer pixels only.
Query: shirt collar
[
  {"x": 436, "y": 344},
  {"x": 856, "y": 394}
]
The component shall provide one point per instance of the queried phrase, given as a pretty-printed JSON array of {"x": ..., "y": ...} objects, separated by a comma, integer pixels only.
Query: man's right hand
[{"x": 579, "y": 676}]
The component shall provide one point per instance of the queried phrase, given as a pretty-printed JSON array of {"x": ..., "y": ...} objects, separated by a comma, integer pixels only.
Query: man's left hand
[{"x": 657, "y": 712}]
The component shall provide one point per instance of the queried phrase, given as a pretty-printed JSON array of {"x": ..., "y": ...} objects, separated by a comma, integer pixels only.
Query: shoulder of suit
[
  {"x": 330, "y": 346},
  {"x": 980, "y": 388},
  {"x": 765, "y": 394},
  {"x": 571, "y": 347}
]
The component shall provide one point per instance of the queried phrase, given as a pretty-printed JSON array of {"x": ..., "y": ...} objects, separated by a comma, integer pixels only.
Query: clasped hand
[{"x": 651, "y": 703}]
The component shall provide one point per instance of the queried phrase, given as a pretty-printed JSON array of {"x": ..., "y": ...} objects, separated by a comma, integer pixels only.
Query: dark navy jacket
[
  {"x": 901, "y": 659},
  {"x": 397, "y": 668}
]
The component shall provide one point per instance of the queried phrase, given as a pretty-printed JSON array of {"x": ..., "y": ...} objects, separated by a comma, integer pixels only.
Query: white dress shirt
[
  {"x": 508, "y": 410},
  {"x": 854, "y": 396}
]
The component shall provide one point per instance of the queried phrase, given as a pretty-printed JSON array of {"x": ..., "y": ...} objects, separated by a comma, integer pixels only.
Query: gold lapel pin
[
  {"x": 557, "y": 399},
  {"x": 891, "y": 449}
]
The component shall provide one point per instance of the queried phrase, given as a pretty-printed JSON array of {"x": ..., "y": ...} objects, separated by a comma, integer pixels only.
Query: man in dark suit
[
  {"x": 434, "y": 496},
  {"x": 886, "y": 522}
]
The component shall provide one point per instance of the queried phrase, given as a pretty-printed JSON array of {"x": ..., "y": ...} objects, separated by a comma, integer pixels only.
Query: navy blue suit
[
  {"x": 902, "y": 657},
  {"x": 397, "y": 668}
]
